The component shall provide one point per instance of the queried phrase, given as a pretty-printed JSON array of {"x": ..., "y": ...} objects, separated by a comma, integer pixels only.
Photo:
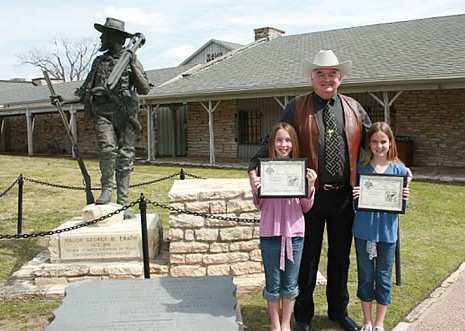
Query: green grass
[{"x": 432, "y": 233}]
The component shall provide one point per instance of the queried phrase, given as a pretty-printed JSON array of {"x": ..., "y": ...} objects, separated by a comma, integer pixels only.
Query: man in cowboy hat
[
  {"x": 114, "y": 112},
  {"x": 331, "y": 128}
]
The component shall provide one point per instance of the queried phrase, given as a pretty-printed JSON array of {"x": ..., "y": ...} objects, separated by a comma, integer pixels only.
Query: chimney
[{"x": 268, "y": 33}]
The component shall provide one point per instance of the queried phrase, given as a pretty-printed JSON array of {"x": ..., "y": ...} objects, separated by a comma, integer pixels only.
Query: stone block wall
[
  {"x": 202, "y": 246},
  {"x": 50, "y": 136},
  {"x": 224, "y": 128},
  {"x": 434, "y": 120}
]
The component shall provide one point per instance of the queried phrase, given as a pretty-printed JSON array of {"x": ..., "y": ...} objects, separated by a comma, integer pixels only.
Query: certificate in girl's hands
[
  {"x": 283, "y": 178},
  {"x": 381, "y": 192}
]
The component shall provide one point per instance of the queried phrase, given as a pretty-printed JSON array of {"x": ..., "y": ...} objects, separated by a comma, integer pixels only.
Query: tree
[{"x": 66, "y": 60}]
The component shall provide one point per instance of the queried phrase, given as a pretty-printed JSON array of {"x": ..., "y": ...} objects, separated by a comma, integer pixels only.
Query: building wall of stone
[
  {"x": 203, "y": 246},
  {"x": 224, "y": 128},
  {"x": 434, "y": 120},
  {"x": 50, "y": 136}
]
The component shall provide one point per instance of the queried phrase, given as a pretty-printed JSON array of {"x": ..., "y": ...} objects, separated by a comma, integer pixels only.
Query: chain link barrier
[
  {"x": 9, "y": 188},
  {"x": 80, "y": 225},
  {"x": 190, "y": 175},
  {"x": 36, "y": 181},
  {"x": 218, "y": 217},
  {"x": 156, "y": 180},
  {"x": 182, "y": 175}
]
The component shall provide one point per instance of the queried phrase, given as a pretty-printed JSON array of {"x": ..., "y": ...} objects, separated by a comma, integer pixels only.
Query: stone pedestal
[
  {"x": 93, "y": 211},
  {"x": 117, "y": 241}
]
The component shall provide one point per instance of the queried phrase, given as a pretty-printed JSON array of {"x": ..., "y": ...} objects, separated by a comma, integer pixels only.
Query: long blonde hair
[
  {"x": 386, "y": 129},
  {"x": 295, "y": 153}
]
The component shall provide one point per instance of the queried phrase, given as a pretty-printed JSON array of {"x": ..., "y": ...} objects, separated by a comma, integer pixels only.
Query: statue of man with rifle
[{"x": 110, "y": 99}]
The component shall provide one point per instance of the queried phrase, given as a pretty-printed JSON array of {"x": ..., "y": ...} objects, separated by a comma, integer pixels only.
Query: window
[{"x": 249, "y": 128}]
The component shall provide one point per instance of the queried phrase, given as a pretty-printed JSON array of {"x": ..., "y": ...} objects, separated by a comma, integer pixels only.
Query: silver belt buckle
[{"x": 327, "y": 187}]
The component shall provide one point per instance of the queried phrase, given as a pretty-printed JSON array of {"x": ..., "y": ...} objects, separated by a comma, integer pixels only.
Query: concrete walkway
[{"x": 444, "y": 309}]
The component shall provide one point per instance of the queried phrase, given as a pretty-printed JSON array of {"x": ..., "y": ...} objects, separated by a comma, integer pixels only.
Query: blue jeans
[
  {"x": 280, "y": 284},
  {"x": 374, "y": 276}
]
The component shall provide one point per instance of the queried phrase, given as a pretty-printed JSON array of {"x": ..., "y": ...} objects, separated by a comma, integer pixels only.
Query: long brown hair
[
  {"x": 386, "y": 129},
  {"x": 295, "y": 153}
]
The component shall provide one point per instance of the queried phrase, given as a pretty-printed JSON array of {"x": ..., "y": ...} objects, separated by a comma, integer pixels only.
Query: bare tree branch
[{"x": 66, "y": 60}]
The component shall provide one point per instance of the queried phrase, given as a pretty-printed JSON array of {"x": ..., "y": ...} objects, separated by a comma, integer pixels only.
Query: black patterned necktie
[{"x": 332, "y": 147}]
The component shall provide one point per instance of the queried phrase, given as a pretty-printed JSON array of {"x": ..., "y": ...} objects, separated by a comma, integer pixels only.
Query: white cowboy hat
[{"x": 325, "y": 59}]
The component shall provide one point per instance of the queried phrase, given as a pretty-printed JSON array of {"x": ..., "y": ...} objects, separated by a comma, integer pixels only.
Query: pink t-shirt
[{"x": 285, "y": 218}]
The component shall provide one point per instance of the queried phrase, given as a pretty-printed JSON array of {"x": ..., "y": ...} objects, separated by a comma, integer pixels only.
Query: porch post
[
  {"x": 151, "y": 150},
  {"x": 174, "y": 129},
  {"x": 210, "y": 111},
  {"x": 30, "y": 132},
  {"x": 282, "y": 105},
  {"x": 386, "y": 104},
  {"x": 2, "y": 135},
  {"x": 73, "y": 127}
]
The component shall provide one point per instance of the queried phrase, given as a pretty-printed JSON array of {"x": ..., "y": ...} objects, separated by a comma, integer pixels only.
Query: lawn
[{"x": 431, "y": 236}]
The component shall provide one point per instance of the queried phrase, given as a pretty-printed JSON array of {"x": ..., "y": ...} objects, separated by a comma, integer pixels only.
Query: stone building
[{"x": 409, "y": 73}]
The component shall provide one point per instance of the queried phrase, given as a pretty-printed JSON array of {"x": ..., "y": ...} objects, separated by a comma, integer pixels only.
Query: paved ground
[{"x": 444, "y": 309}]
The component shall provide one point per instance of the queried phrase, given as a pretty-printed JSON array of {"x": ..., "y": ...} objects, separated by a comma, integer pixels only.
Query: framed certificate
[
  {"x": 283, "y": 178},
  {"x": 380, "y": 192}
]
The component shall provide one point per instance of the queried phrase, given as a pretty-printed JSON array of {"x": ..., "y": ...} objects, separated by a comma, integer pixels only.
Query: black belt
[{"x": 333, "y": 187}]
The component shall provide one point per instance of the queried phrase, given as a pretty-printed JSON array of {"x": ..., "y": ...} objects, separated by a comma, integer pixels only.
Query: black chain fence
[
  {"x": 181, "y": 174},
  {"x": 218, "y": 217},
  {"x": 9, "y": 188}
]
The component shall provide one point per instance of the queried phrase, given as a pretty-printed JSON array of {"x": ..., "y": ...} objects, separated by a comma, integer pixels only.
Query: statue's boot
[
  {"x": 122, "y": 192},
  {"x": 107, "y": 170}
]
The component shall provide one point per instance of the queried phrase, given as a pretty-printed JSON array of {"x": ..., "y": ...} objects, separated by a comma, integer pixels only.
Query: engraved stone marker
[
  {"x": 161, "y": 304},
  {"x": 115, "y": 242}
]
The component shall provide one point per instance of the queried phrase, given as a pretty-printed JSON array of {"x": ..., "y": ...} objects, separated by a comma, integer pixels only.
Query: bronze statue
[{"x": 110, "y": 99}]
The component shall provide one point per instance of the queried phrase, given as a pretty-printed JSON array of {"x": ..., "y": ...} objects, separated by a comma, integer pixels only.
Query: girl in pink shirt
[{"x": 282, "y": 232}]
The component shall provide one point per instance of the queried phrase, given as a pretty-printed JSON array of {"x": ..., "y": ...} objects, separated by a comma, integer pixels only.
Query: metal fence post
[
  {"x": 397, "y": 256},
  {"x": 145, "y": 244},
  {"x": 20, "y": 204}
]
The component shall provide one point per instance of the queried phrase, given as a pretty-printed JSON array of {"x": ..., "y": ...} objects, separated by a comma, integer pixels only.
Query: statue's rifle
[
  {"x": 137, "y": 41},
  {"x": 56, "y": 101}
]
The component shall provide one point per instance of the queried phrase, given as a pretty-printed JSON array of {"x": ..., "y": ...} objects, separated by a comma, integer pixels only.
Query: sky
[{"x": 175, "y": 29}]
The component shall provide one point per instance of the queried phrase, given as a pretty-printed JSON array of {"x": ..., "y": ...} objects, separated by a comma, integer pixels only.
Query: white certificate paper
[
  {"x": 283, "y": 178},
  {"x": 379, "y": 192}
]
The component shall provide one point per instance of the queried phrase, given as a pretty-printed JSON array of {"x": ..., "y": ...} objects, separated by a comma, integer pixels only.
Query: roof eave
[{"x": 348, "y": 86}]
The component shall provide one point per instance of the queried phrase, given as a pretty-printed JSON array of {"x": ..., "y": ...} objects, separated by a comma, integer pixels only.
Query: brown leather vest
[{"x": 306, "y": 126}]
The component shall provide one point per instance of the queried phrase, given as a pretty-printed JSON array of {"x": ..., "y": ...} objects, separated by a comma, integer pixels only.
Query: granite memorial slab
[{"x": 161, "y": 304}]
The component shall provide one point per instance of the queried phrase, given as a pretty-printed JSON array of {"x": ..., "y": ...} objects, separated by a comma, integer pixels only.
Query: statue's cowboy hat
[
  {"x": 113, "y": 24},
  {"x": 326, "y": 59}
]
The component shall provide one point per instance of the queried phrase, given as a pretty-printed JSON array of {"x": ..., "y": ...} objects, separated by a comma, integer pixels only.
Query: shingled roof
[
  {"x": 41, "y": 93},
  {"x": 13, "y": 84},
  {"x": 383, "y": 55},
  {"x": 425, "y": 53}
]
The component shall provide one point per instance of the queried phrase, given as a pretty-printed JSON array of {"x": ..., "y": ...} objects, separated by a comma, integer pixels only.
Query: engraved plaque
[{"x": 168, "y": 304}]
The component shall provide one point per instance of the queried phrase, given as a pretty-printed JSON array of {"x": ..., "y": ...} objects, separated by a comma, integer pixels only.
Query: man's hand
[
  {"x": 409, "y": 176},
  {"x": 311, "y": 178},
  {"x": 254, "y": 180},
  {"x": 356, "y": 192},
  {"x": 405, "y": 193}
]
